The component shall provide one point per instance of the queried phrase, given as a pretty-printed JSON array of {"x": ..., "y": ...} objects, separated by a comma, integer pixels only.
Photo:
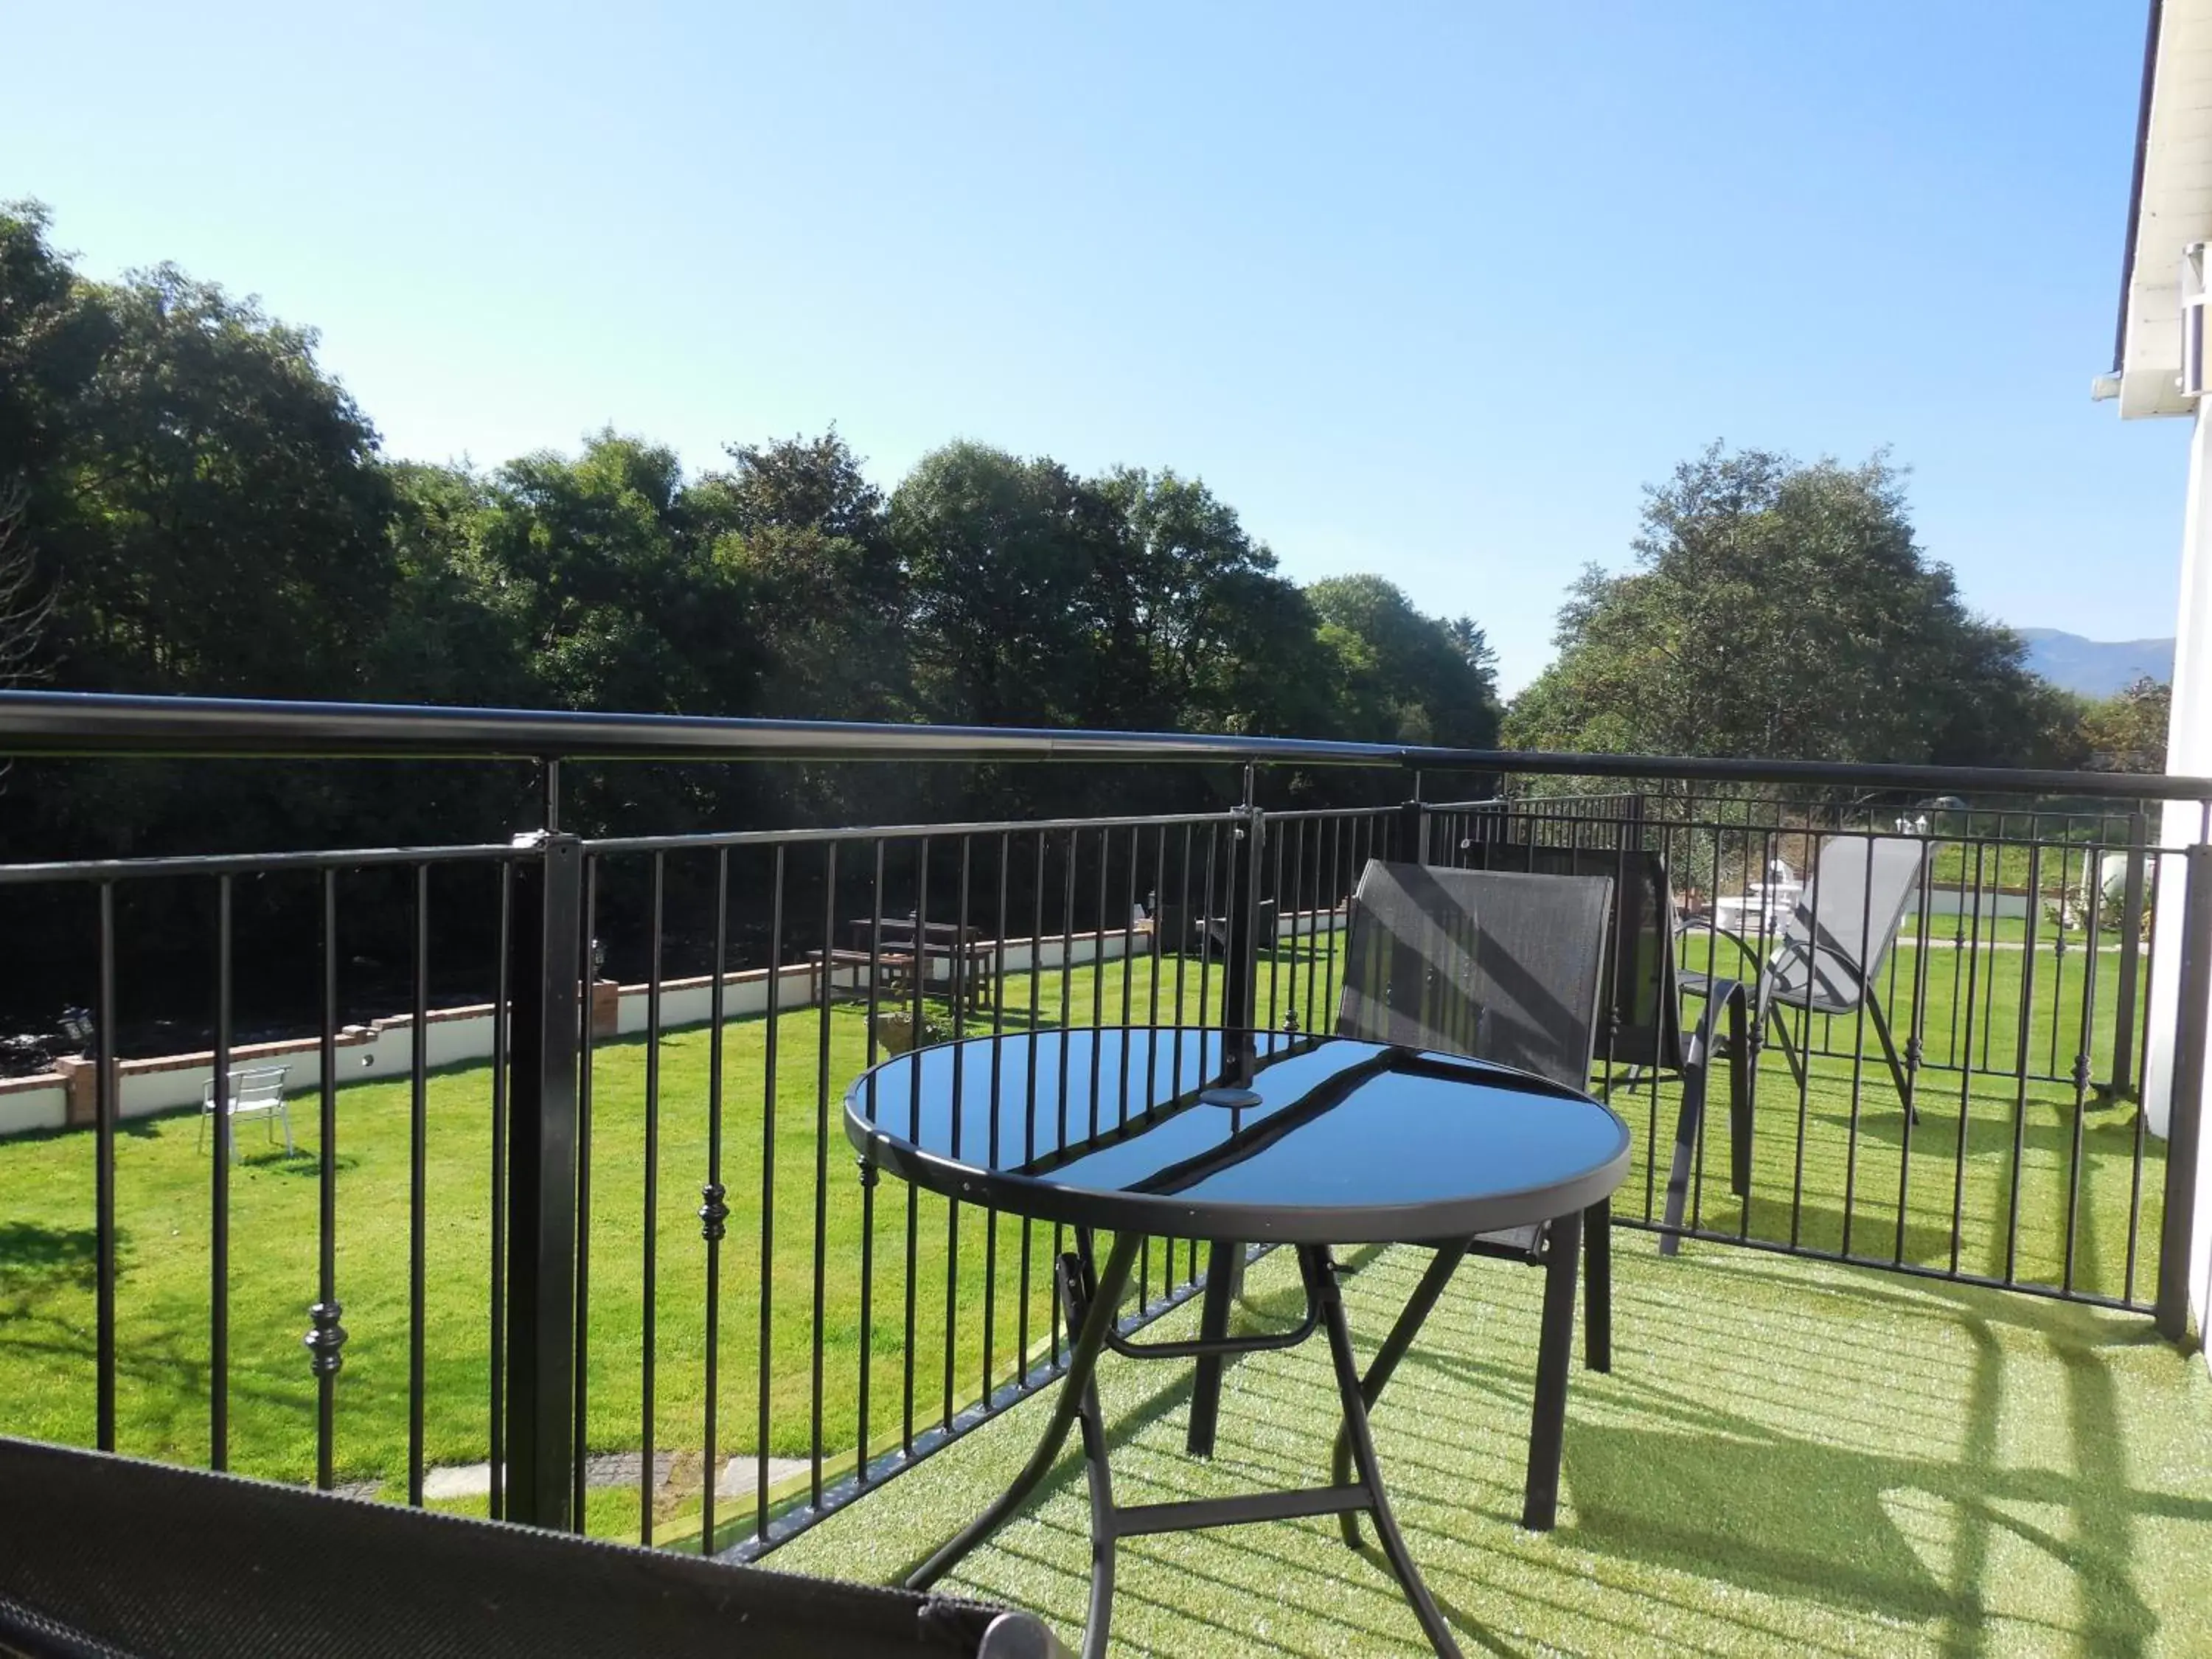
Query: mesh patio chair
[
  {"x": 1507, "y": 968},
  {"x": 1639, "y": 1019},
  {"x": 111, "y": 1556},
  {"x": 1831, "y": 950}
]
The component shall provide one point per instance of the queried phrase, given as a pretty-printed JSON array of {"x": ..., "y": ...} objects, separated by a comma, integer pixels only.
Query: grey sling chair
[
  {"x": 1639, "y": 1017},
  {"x": 1830, "y": 953},
  {"x": 1505, "y": 968}
]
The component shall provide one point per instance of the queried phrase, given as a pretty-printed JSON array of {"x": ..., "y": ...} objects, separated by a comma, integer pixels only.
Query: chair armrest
[{"x": 1706, "y": 925}]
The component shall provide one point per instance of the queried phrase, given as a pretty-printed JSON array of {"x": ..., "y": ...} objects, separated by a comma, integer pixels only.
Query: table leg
[
  {"x": 1081, "y": 1364},
  {"x": 1073, "y": 1282},
  {"x": 1441, "y": 1266},
  {"x": 1224, "y": 1273},
  {"x": 1321, "y": 1278}
]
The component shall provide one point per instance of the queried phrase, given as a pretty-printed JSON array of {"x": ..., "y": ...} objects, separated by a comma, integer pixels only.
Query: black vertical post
[
  {"x": 2123, "y": 1081},
  {"x": 1224, "y": 1259},
  {"x": 546, "y": 965},
  {"x": 1240, "y": 944},
  {"x": 106, "y": 1108},
  {"x": 1414, "y": 830},
  {"x": 2184, "y": 1112}
]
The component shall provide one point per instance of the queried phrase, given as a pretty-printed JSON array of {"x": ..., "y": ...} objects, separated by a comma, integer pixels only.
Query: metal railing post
[
  {"x": 1241, "y": 946},
  {"x": 2122, "y": 1080},
  {"x": 1413, "y": 832},
  {"x": 2185, "y": 1114},
  {"x": 545, "y": 970},
  {"x": 1224, "y": 1259}
]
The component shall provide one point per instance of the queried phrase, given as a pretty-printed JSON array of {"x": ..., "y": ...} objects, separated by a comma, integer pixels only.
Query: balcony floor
[{"x": 1788, "y": 1457}]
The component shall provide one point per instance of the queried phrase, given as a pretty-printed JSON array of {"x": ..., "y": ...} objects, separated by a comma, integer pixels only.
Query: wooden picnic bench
[{"x": 889, "y": 946}]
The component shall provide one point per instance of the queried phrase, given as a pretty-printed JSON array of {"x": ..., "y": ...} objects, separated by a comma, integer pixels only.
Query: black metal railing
[
  {"x": 2010, "y": 994},
  {"x": 618, "y": 1241}
]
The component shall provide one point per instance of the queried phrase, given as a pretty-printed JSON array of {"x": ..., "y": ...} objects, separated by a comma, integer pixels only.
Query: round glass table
[{"x": 1238, "y": 1138}]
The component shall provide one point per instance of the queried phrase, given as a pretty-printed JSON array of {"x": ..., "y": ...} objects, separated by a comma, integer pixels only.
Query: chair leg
[
  {"x": 199, "y": 1143},
  {"x": 1889, "y": 1048},
  {"x": 1788, "y": 1048},
  {"x": 285, "y": 1112},
  {"x": 1597, "y": 1286},
  {"x": 1740, "y": 1060},
  {"x": 1688, "y": 1119},
  {"x": 1547, "y": 1425}
]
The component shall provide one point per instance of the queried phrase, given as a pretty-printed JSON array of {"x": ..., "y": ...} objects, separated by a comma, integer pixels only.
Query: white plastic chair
[{"x": 256, "y": 1093}]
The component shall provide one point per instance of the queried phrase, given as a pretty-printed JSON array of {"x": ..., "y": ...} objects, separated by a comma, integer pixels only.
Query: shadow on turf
[
  {"x": 1694, "y": 1483},
  {"x": 1732, "y": 1497}
]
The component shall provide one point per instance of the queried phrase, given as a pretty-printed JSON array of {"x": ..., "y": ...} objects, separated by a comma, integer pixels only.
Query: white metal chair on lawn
[{"x": 256, "y": 1093}]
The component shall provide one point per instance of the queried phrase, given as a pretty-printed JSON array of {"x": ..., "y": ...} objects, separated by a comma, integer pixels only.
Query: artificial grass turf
[
  {"x": 1806, "y": 1179},
  {"x": 1787, "y": 1457}
]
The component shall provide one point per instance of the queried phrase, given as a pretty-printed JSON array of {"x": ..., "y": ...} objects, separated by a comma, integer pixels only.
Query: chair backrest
[
  {"x": 1846, "y": 919},
  {"x": 258, "y": 1085},
  {"x": 262, "y": 1084},
  {"x": 1638, "y": 1012},
  {"x": 1492, "y": 964}
]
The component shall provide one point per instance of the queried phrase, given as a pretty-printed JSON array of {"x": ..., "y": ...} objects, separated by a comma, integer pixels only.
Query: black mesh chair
[
  {"x": 108, "y": 1557},
  {"x": 1506, "y": 968},
  {"x": 1639, "y": 1019}
]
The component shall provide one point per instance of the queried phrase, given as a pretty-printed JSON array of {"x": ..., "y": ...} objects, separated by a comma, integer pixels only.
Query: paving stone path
[{"x": 675, "y": 1475}]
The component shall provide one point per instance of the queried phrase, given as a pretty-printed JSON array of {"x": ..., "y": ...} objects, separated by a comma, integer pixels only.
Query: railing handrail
[{"x": 89, "y": 723}]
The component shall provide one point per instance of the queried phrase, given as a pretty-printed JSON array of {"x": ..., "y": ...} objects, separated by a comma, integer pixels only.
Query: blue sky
[{"x": 1426, "y": 291}]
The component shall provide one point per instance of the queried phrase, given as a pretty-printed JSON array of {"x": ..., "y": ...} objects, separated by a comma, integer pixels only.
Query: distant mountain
[{"x": 2095, "y": 668}]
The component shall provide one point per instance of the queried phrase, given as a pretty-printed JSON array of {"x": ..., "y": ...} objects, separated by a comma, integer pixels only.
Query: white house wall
[{"x": 459, "y": 1035}]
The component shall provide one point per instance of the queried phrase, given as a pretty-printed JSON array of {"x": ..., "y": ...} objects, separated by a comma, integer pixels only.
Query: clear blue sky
[{"x": 1429, "y": 292}]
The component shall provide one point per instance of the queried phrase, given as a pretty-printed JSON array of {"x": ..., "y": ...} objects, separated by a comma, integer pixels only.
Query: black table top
[{"x": 1348, "y": 1142}]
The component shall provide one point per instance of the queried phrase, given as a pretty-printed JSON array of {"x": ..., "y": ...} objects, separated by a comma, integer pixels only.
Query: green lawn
[
  {"x": 1786, "y": 1458},
  {"x": 47, "y": 1302},
  {"x": 163, "y": 1205}
]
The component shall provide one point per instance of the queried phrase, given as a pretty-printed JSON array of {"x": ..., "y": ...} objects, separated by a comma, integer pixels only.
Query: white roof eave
[{"x": 2174, "y": 209}]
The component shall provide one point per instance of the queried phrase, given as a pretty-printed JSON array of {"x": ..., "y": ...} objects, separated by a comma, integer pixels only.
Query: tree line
[
  {"x": 189, "y": 503},
  {"x": 194, "y": 506}
]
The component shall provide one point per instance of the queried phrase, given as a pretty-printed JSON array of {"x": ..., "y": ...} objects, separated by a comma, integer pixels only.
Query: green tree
[
  {"x": 1011, "y": 623},
  {"x": 2126, "y": 731},
  {"x": 1202, "y": 634},
  {"x": 215, "y": 513},
  {"x": 617, "y": 607},
  {"x": 797, "y": 524},
  {"x": 53, "y": 333},
  {"x": 1783, "y": 610},
  {"x": 1403, "y": 677}
]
